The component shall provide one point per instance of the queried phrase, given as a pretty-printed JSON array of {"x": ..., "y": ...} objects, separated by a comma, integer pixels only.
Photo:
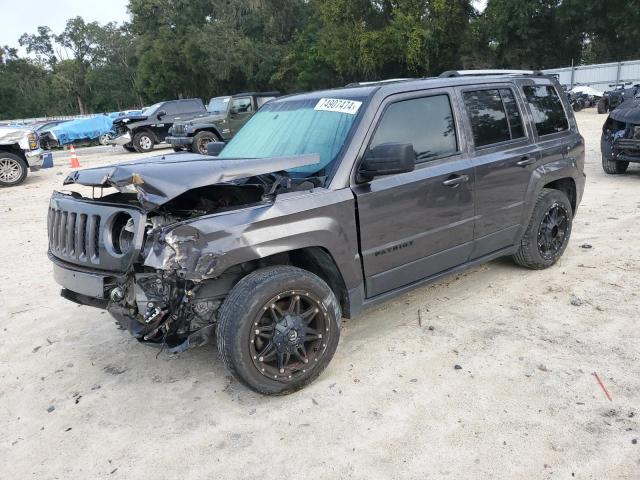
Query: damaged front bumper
[
  {"x": 120, "y": 140},
  {"x": 626, "y": 150},
  {"x": 35, "y": 158}
]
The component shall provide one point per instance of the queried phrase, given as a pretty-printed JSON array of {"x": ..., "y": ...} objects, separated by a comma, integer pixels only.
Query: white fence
[{"x": 598, "y": 76}]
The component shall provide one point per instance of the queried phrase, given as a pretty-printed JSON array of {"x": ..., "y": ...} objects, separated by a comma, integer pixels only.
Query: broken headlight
[{"x": 122, "y": 233}]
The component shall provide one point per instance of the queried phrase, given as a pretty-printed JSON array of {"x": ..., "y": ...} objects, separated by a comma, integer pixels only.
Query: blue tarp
[{"x": 82, "y": 129}]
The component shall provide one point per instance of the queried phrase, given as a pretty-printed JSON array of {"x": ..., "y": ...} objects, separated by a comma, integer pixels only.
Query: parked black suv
[
  {"x": 323, "y": 204},
  {"x": 141, "y": 132},
  {"x": 620, "y": 141},
  {"x": 226, "y": 116}
]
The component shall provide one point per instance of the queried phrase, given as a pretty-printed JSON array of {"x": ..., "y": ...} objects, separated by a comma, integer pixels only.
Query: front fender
[{"x": 207, "y": 246}]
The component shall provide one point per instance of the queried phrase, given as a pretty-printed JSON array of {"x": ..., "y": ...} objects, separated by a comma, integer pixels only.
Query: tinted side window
[
  {"x": 426, "y": 123},
  {"x": 488, "y": 118},
  {"x": 241, "y": 105},
  {"x": 170, "y": 108},
  {"x": 546, "y": 108},
  {"x": 513, "y": 114}
]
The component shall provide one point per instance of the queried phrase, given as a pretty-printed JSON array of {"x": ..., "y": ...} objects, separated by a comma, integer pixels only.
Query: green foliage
[{"x": 204, "y": 48}]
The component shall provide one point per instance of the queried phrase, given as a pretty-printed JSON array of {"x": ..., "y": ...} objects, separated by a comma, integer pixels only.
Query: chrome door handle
[
  {"x": 456, "y": 180},
  {"x": 524, "y": 161}
]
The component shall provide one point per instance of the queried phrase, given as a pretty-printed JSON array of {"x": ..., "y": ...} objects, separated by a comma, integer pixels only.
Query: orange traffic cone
[{"x": 74, "y": 158}]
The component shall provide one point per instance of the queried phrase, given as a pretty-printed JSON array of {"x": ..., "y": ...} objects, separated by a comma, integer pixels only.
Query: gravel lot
[{"x": 81, "y": 399}]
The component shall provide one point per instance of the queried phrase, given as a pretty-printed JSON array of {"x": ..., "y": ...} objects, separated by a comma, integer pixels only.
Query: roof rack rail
[
  {"x": 463, "y": 73},
  {"x": 377, "y": 82}
]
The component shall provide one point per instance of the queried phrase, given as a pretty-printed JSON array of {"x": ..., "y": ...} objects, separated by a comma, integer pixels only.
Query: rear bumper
[
  {"x": 35, "y": 159},
  {"x": 179, "y": 141}
]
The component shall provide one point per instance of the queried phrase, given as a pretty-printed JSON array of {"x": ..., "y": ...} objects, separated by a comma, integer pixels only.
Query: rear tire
[
  {"x": 548, "y": 232},
  {"x": 201, "y": 140},
  {"x": 143, "y": 142},
  {"x": 294, "y": 311},
  {"x": 614, "y": 167},
  {"x": 13, "y": 169}
]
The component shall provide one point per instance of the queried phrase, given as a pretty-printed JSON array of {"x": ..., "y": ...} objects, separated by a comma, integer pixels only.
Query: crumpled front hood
[
  {"x": 10, "y": 135},
  {"x": 627, "y": 112},
  {"x": 158, "y": 180}
]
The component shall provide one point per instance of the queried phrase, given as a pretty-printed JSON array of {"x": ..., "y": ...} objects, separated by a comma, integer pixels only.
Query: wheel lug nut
[
  {"x": 306, "y": 360},
  {"x": 282, "y": 370},
  {"x": 261, "y": 359}
]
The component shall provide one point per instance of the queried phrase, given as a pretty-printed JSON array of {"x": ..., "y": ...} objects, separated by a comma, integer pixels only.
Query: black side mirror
[
  {"x": 387, "y": 159},
  {"x": 214, "y": 148},
  {"x": 161, "y": 114}
]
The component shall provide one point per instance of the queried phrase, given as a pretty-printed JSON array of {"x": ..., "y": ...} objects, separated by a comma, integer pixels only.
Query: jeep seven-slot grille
[
  {"x": 74, "y": 236},
  {"x": 178, "y": 129}
]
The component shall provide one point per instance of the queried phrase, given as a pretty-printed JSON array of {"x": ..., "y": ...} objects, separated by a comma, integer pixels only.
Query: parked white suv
[{"x": 19, "y": 152}]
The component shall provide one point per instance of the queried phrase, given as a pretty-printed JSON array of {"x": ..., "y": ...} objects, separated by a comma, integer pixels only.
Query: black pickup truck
[
  {"x": 142, "y": 131},
  {"x": 226, "y": 116}
]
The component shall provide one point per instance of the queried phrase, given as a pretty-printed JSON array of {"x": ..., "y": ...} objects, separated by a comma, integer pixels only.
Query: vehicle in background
[
  {"x": 79, "y": 131},
  {"x": 323, "y": 204},
  {"x": 583, "y": 97},
  {"x": 226, "y": 116},
  {"x": 19, "y": 152},
  {"x": 620, "y": 92},
  {"x": 620, "y": 140},
  {"x": 141, "y": 132}
]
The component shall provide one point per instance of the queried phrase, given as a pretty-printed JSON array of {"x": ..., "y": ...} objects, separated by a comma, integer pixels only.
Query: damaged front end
[
  {"x": 135, "y": 252},
  {"x": 621, "y": 134}
]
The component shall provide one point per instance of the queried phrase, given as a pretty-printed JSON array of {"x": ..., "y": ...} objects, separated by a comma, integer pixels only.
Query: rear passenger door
[
  {"x": 414, "y": 225},
  {"x": 504, "y": 160}
]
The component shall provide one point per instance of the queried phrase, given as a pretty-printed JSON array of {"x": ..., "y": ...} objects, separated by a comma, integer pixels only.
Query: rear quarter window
[{"x": 546, "y": 108}]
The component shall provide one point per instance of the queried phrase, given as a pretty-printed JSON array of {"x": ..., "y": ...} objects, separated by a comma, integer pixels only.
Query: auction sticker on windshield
[{"x": 339, "y": 105}]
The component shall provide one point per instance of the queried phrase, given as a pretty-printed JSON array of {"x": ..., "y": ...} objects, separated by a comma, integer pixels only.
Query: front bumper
[
  {"x": 179, "y": 141},
  {"x": 120, "y": 140},
  {"x": 626, "y": 150},
  {"x": 34, "y": 159},
  {"x": 85, "y": 282}
]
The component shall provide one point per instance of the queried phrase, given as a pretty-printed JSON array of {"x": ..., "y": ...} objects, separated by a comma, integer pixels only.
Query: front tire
[
  {"x": 614, "y": 167},
  {"x": 201, "y": 140},
  {"x": 143, "y": 142},
  {"x": 548, "y": 232},
  {"x": 278, "y": 329},
  {"x": 13, "y": 169}
]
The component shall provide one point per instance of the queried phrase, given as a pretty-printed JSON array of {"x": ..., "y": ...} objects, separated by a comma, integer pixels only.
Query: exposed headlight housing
[{"x": 122, "y": 233}]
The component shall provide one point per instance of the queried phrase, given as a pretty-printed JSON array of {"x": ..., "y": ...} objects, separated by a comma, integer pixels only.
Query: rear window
[
  {"x": 494, "y": 116},
  {"x": 546, "y": 108}
]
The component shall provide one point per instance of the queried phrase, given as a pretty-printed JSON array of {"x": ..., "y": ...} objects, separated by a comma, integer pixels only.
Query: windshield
[
  {"x": 296, "y": 127},
  {"x": 218, "y": 104},
  {"x": 152, "y": 109}
]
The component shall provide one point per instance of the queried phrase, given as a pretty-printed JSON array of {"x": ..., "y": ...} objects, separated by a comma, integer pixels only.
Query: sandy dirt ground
[{"x": 81, "y": 399}]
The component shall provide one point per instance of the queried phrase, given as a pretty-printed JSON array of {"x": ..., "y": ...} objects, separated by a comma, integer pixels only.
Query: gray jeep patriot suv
[{"x": 324, "y": 203}]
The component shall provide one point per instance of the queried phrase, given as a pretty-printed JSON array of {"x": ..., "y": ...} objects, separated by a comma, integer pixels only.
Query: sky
[{"x": 25, "y": 16}]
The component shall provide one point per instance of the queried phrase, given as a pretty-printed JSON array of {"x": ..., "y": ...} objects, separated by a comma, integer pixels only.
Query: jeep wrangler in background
[
  {"x": 19, "y": 152},
  {"x": 141, "y": 132},
  {"x": 226, "y": 116},
  {"x": 323, "y": 204}
]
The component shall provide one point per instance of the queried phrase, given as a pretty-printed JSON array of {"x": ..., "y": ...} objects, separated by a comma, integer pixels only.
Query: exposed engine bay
[{"x": 158, "y": 275}]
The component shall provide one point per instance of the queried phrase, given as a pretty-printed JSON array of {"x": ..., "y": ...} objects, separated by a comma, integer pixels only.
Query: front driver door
[
  {"x": 240, "y": 112},
  {"x": 417, "y": 224}
]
